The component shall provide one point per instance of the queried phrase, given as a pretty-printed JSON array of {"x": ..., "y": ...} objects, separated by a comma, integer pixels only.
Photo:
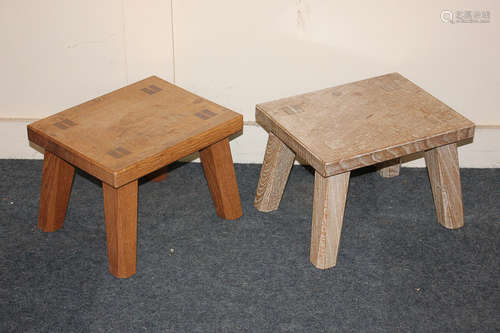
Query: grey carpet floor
[{"x": 398, "y": 269}]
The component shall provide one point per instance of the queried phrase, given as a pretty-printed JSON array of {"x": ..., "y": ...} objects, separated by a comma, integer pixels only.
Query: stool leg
[
  {"x": 274, "y": 173},
  {"x": 444, "y": 174},
  {"x": 57, "y": 178},
  {"x": 120, "y": 210},
  {"x": 158, "y": 175},
  {"x": 219, "y": 171},
  {"x": 330, "y": 195},
  {"x": 389, "y": 169}
]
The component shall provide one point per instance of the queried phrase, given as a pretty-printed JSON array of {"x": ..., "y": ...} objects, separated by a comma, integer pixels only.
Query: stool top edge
[{"x": 389, "y": 113}]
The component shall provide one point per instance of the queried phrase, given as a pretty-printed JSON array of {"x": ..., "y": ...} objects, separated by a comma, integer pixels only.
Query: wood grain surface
[
  {"x": 389, "y": 168},
  {"x": 120, "y": 210},
  {"x": 362, "y": 123},
  {"x": 278, "y": 161},
  {"x": 444, "y": 174},
  {"x": 221, "y": 178},
  {"x": 330, "y": 195},
  {"x": 57, "y": 179},
  {"x": 135, "y": 130}
]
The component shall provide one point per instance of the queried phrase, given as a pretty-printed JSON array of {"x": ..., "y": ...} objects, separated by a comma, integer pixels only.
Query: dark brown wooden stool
[
  {"x": 127, "y": 134},
  {"x": 339, "y": 129}
]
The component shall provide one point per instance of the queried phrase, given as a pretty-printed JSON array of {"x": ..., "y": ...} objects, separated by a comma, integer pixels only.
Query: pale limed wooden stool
[
  {"x": 127, "y": 134},
  {"x": 340, "y": 129}
]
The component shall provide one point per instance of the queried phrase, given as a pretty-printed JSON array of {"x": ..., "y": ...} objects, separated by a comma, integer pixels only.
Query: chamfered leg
[
  {"x": 330, "y": 195},
  {"x": 278, "y": 161},
  {"x": 221, "y": 178},
  {"x": 444, "y": 175},
  {"x": 120, "y": 210},
  {"x": 57, "y": 178},
  {"x": 389, "y": 169}
]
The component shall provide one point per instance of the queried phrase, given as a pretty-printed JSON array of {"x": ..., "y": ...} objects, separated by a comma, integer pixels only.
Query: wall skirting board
[{"x": 484, "y": 152}]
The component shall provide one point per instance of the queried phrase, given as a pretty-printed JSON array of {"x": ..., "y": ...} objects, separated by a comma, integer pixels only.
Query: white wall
[
  {"x": 243, "y": 52},
  {"x": 239, "y": 53},
  {"x": 58, "y": 53}
]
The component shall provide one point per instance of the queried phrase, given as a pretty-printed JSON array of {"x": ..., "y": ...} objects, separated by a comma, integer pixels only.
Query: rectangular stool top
[
  {"x": 134, "y": 130},
  {"x": 362, "y": 123}
]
